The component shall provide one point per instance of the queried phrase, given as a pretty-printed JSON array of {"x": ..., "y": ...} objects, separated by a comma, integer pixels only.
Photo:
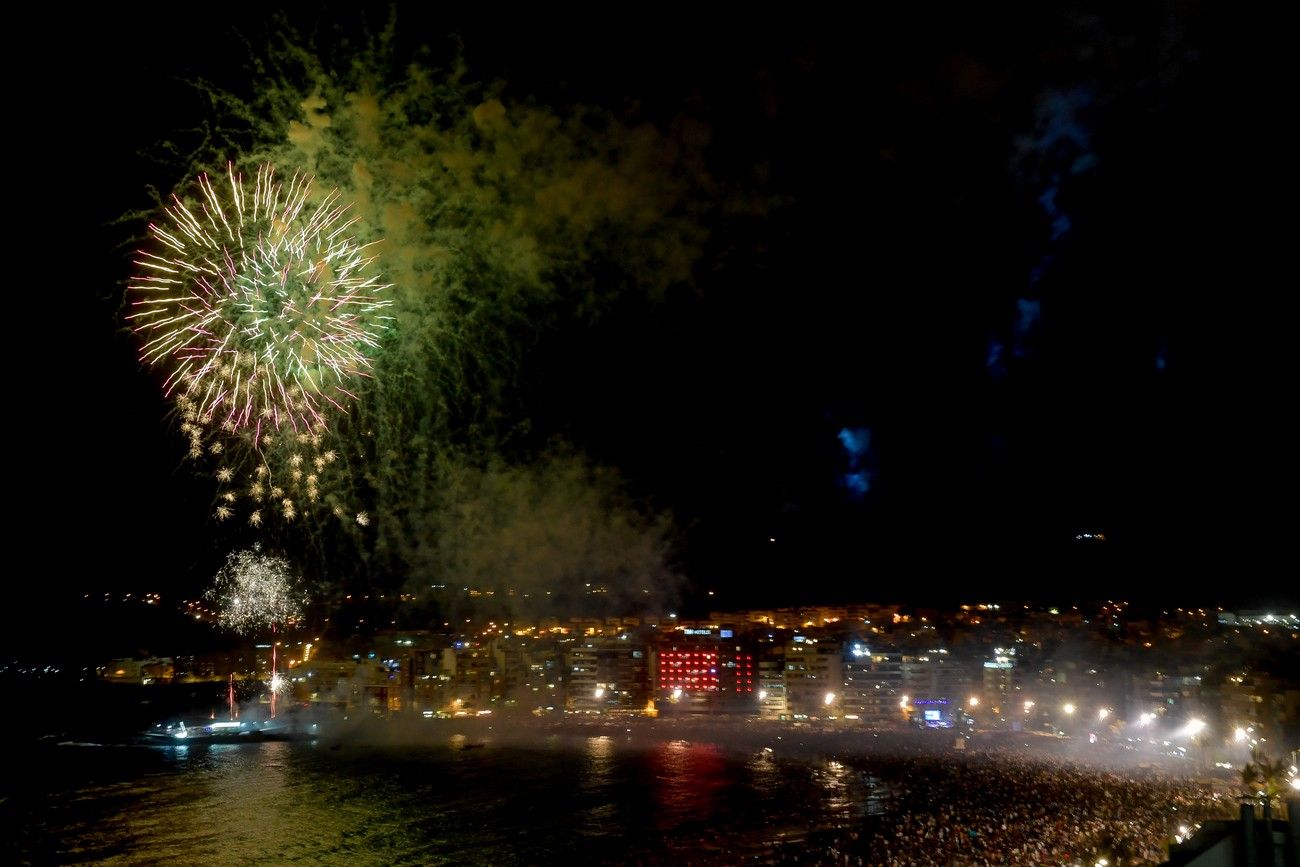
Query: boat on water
[
  {"x": 203, "y": 730},
  {"x": 294, "y": 723}
]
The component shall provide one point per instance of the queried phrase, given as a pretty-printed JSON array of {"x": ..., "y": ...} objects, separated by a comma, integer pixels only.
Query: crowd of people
[
  {"x": 996, "y": 807},
  {"x": 1004, "y": 810}
]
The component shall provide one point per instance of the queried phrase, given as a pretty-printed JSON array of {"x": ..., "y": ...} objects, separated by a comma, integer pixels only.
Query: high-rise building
[
  {"x": 580, "y": 677},
  {"x": 622, "y": 676},
  {"x": 872, "y": 688},
  {"x": 705, "y": 669},
  {"x": 813, "y": 676},
  {"x": 1001, "y": 678}
]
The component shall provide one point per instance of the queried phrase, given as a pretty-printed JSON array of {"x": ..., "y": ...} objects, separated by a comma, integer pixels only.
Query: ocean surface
[{"x": 566, "y": 797}]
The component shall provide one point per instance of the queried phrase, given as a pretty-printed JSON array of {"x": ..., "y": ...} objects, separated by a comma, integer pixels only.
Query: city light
[
  {"x": 1103, "y": 713},
  {"x": 1295, "y": 783},
  {"x": 1145, "y": 719},
  {"x": 1068, "y": 708},
  {"x": 902, "y": 702},
  {"x": 829, "y": 699},
  {"x": 973, "y": 701},
  {"x": 1193, "y": 728},
  {"x": 600, "y": 692},
  {"x": 1239, "y": 734},
  {"x": 1028, "y": 706},
  {"x": 762, "y": 695}
]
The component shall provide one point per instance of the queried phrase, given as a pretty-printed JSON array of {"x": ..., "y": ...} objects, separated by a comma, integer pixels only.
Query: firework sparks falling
[
  {"x": 286, "y": 478},
  {"x": 255, "y": 591},
  {"x": 261, "y": 303}
]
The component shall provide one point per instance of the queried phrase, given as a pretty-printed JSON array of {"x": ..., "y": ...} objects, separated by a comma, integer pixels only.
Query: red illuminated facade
[
  {"x": 690, "y": 670},
  {"x": 699, "y": 669},
  {"x": 736, "y": 671}
]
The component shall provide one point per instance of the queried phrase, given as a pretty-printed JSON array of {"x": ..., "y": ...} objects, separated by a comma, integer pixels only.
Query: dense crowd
[
  {"x": 1011, "y": 811},
  {"x": 994, "y": 807}
]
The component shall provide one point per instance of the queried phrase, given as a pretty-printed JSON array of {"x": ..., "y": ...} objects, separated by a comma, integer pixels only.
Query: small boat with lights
[
  {"x": 235, "y": 728},
  {"x": 204, "y": 731},
  {"x": 191, "y": 730}
]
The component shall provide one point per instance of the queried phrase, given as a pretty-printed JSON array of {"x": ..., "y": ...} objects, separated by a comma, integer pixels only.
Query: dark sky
[{"x": 1021, "y": 280}]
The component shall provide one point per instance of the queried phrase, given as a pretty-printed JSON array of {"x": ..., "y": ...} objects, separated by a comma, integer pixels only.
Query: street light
[
  {"x": 1069, "y": 709},
  {"x": 829, "y": 699},
  {"x": 762, "y": 695},
  {"x": 1102, "y": 714},
  {"x": 1028, "y": 706},
  {"x": 973, "y": 701}
]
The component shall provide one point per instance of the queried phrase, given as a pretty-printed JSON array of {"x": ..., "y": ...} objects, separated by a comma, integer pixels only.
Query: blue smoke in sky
[
  {"x": 1028, "y": 312},
  {"x": 1058, "y": 149},
  {"x": 1062, "y": 146},
  {"x": 857, "y": 451},
  {"x": 994, "y": 360}
]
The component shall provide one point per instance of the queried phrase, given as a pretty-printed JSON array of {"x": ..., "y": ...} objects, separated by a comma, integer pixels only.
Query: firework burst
[
  {"x": 277, "y": 684},
  {"x": 256, "y": 591},
  {"x": 260, "y": 303}
]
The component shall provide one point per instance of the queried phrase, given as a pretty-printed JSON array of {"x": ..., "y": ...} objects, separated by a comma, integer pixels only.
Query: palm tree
[
  {"x": 1250, "y": 780},
  {"x": 1263, "y": 780},
  {"x": 1273, "y": 781}
]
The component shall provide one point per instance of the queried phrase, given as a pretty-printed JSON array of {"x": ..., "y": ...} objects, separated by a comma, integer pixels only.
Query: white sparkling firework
[
  {"x": 261, "y": 304},
  {"x": 277, "y": 684},
  {"x": 257, "y": 591}
]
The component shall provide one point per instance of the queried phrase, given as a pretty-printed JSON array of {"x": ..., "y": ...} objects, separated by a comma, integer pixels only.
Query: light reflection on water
[
  {"x": 595, "y": 782},
  {"x": 834, "y": 780},
  {"x": 601, "y": 799},
  {"x": 688, "y": 777}
]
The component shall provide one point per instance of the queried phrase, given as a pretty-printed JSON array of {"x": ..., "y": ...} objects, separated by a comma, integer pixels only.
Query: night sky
[{"x": 1010, "y": 279}]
